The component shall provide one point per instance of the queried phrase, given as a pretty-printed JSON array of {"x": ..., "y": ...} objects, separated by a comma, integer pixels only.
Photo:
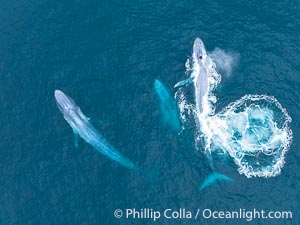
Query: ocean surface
[{"x": 106, "y": 55}]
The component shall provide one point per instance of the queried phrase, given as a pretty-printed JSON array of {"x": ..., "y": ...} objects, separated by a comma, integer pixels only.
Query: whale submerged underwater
[
  {"x": 167, "y": 105},
  {"x": 254, "y": 130}
]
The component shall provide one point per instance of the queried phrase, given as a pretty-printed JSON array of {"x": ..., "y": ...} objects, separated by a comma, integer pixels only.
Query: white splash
[{"x": 253, "y": 130}]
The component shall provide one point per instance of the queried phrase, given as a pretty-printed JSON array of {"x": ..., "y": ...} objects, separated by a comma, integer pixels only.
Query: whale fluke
[{"x": 214, "y": 177}]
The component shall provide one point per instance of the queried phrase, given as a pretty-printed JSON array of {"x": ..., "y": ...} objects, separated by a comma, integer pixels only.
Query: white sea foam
[
  {"x": 186, "y": 110},
  {"x": 253, "y": 130},
  {"x": 256, "y": 134}
]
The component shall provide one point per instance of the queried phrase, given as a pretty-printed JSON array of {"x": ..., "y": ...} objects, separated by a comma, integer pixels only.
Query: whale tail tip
[{"x": 213, "y": 178}]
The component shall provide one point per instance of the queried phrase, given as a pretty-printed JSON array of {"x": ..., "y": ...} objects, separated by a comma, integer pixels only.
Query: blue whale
[
  {"x": 201, "y": 78},
  {"x": 167, "y": 105},
  {"x": 82, "y": 127}
]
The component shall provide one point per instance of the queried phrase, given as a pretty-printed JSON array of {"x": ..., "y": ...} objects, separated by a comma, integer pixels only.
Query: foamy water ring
[
  {"x": 256, "y": 134},
  {"x": 254, "y": 130}
]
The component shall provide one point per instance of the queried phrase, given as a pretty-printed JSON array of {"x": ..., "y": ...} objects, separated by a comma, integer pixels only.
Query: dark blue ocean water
[{"x": 106, "y": 55}]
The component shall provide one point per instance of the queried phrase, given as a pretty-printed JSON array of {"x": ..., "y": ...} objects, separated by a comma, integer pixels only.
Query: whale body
[
  {"x": 81, "y": 126},
  {"x": 199, "y": 76},
  {"x": 167, "y": 105},
  {"x": 201, "y": 79}
]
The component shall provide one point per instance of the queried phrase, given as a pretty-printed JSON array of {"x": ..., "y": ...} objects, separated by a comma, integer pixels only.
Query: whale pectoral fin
[
  {"x": 184, "y": 82},
  {"x": 76, "y": 141},
  {"x": 95, "y": 121}
]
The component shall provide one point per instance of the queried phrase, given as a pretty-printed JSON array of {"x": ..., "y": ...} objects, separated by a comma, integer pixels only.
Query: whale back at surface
[{"x": 201, "y": 79}]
